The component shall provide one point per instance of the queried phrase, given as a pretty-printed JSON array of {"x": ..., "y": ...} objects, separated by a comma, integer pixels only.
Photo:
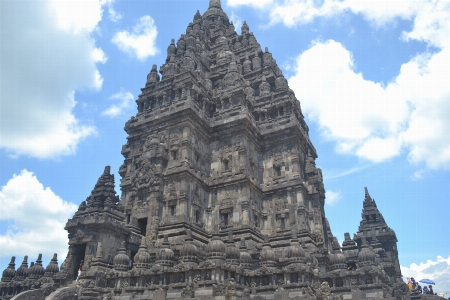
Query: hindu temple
[{"x": 221, "y": 197}]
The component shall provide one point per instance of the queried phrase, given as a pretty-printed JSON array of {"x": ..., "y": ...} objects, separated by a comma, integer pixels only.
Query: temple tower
[
  {"x": 221, "y": 196},
  {"x": 379, "y": 236},
  {"x": 219, "y": 143}
]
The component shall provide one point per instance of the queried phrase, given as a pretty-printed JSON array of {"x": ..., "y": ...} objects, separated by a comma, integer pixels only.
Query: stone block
[
  {"x": 281, "y": 295},
  {"x": 200, "y": 293},
  {"x": 295, "y": 294},
  {"x": 374, "y": 295},
  {"x": 159, "y": 295}
]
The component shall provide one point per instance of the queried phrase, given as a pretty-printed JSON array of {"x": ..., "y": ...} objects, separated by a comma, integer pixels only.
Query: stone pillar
[
  {"x": 295, "y": 165},
  {"x": 183, "y": 200},
  {"x": 184, "y": 149},
  {"x": 242, "y": 158}
]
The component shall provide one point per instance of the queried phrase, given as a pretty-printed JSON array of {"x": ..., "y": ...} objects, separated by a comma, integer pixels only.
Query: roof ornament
[
  {"x": 245, "y": 28},
  {"x": 366, "y": 194},
  {"x": 215, "y": 3}
]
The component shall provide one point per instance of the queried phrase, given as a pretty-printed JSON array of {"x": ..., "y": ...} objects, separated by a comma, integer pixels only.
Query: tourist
[
  {"x": 419, "y": 288},
  {"x": 430, "y": 290},
  {"x": 409, "y": 282},
  {"x": 414, "y": 283},
  {"x": 79, "y": 272},
  {"x": 425, "y": 290}
]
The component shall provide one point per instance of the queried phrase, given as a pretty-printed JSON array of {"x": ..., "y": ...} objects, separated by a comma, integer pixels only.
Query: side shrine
[{"x": 221, "y": 196}]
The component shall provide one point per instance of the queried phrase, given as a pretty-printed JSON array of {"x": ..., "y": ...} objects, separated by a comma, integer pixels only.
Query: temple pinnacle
[
  {"x": 215, "y": 3},
  {"x": 367, "y": 196}
]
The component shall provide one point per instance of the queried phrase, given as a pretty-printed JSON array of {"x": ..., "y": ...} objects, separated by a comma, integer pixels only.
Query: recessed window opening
[
  {"x": 225, "y": 219},
  {"x": 172, "y": 210},
  {"x": 174, "y": 154},
  {"x": 142, "y": 224}
]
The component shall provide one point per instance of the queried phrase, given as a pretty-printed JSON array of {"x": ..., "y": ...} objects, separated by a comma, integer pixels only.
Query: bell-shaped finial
[
  {"x": 245, "y": 28},
  {"x": 215, "y": 3}
]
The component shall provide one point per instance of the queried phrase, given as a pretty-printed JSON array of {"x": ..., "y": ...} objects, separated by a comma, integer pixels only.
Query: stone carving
[
  {"x": 230, "y": 289},
  {"x": 400, "y": 291},
  {"x": 308, "y": 292},
  {"x": 218, "y": 145},
  {"x": 324, "y": 291},
  {"x": 280, "y": 204},
  {"x": 188, "y": 292},
  {"x": 145, "y": 176},
  {"x": 218, "y": 289}
]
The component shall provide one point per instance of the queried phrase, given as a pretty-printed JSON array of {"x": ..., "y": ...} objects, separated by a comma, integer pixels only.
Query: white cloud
[
  {"x": 99, "y": 56},
  {"x": 431, "y": 17},
  {"x": 255, "y": 3},
  {"x": 293, "y": 12},
  {"x": 331, "y": 174},
  {"x": 373, "y": 121},
  {"x": 47, "y": 54},
  {"x": 75, "y": 16},
  {"x": 363, "y": 117},
  {"x": 419, "y": 174},
  {"x": 37, "y": 217},
  {"x": 126, "y": 103},
  {"x": 332, "y": 198},
  {"x": 437, "y": 270},
  {"x": 112, "y": 14},
  {"x": 141, "y": 41},
  {"x": 237, "y": 21},
  {"x": 350, "y": 110},
  {"x": 431, "y": 23}
]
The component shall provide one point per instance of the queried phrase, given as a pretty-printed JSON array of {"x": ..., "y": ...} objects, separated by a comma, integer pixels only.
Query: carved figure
[
  {"x": 230, "y": 289},
  {"x": 323, "y": 291},
  {"x": 218, "y": 289},
  {"x": 188, "y": 292}
]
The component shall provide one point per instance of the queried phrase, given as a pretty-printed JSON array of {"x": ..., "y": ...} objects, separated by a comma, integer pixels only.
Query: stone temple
[{"x": 221, "y": 197}]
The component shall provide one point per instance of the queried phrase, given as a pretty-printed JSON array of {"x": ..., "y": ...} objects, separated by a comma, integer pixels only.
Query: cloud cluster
[
  {"x": 47, "y": 54},
  {"x": 293, "y": 12},
  {"x": 437, "y": 270},
  {"x": 37, "y": 217},
  {"x": 375, "y": 122},
  {"x": 113, "y": 15},
  {"x": 141, "y": 42},
  {"x": 332, "y": 198},
  {"x": 126, "y": 102}
]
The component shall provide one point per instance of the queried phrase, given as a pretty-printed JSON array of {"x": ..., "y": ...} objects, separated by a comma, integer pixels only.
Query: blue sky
[{"x": 372, "y": 78}]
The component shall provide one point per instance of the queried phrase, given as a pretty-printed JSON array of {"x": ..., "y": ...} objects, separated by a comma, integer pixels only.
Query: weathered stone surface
[
  {"x": 64, "y": 294},
  {"x": 220, "y": 194}
]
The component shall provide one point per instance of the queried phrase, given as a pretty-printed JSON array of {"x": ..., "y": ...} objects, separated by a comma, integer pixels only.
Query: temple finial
[
  {"x": 366, "y": 194},
  {"x": 215, "y": 3}
]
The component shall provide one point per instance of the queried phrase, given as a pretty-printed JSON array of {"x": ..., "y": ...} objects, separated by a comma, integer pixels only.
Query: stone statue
[
  {"x": 230, "y": 289},
  {"x": 323, "y": 291}
]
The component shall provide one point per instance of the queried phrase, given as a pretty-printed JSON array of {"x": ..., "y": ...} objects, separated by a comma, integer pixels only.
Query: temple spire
[{"x": 371, "y": 216}]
